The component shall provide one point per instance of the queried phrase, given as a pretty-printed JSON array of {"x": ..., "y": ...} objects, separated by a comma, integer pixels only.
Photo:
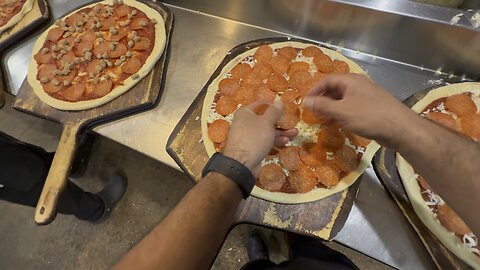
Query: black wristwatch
[{"x": 233, "y": 170}]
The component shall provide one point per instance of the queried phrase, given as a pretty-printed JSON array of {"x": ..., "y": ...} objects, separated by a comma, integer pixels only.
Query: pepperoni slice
[
  {"x": 226, "y": 105},
  {"x": 120, "y": 49},
  {"x": 299, "y": 78},
  {"x": 46, "y": 71},
  {"x": 89, "y": 35},
  {"x": 305, "y": 88},
  {"x": 302, "y": 180},
  {"x": 92, "y": 66},
  {"x": 423, "y": 183},
  {"x": 331, "y": 138},
  {"x": 139, "y": 23},
  {"x": 51, "y": 88},
  {"x": 99, "y": 8},
  {"x": 218, "y": 130},
  {"x": 132, "y": 65},
  {"x": 277, "y": 83},
  {"x": 102, "y": 88},
  {"x": 73, "y": 19},
  {"x": 311, "y": 51},
  {"x": 290, "y": 159},
  {"x": 327, "y": 174},
  {"x": 357, "y": 140},
  {"x": 272, "y": 177},
  {"x": 228, "y": 86},
  {"x": 279, "y": 64},
  {"x": 69, "y": 77},
  {"x": 240, "y": 71},
  {"x": 450, "y": 220},
  {"x": 66, "y": 59},
  {"x": 43, "y": 58},
  {"x": 443, "y": 119},
  {"x": 288, "y": 52},
  {"x": 251, "y": 79},
  {"x": 263, "y": 92},
  {"x": 263, "y": 54},
  {"x": 346, "y": 159},
  {"x": 74, "y": 92},
  {"x": 312, "y": 154},
  {"x": 312, "y": 118},
  {"x": 143, "y": 44},
  {"x": 101, "y": 48},
  {"x": 460, "y": 104},
  {"x": 317, "y": 76},
  {"x": 323, "y": 63},
  {"x": 290, "y": 95},
  {"x": 290, "y": 116},
  {"x": 107, "y": 23},
  {"x": 121, "y": 33},
  {"x": 55, "y": 34},
  {"x": 340, "y": 66},
  {"x": 245, "y": 95},
  {"x": 470, "y": 124},
  {"x": 82, "y": 47},
  {"x": 121, "y": 11},
  {"x": 262, "y": 71},
  {"x": 296, "y": 66}
]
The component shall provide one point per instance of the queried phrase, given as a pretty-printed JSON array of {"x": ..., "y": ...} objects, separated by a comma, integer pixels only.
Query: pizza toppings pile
[
  {"x": 459, "y": 112},
  {"x": 322, "y": 154},
  {"x": 92, "y": 51},
  {"x": 8, "y": 9}
]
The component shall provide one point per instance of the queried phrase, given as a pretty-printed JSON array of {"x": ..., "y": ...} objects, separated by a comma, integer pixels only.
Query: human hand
[
  {"x": 252, "y": 136},
  {"x": 360, "y": 106}
]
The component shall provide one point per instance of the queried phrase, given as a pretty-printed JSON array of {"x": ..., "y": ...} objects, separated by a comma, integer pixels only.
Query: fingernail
[
  {"x": 278, "y": 104},
  {"x": 308, "y": 102}
]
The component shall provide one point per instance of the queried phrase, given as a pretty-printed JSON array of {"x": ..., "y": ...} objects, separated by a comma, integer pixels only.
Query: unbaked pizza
[
  {"x": 96, "y": 53},
  {"x": 12, "y": 11},
  {"x": 457, "y": 107},
  {"x": 323, "y": 159}
]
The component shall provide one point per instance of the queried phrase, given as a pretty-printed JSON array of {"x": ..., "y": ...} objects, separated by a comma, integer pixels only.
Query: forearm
[
  {"x": 191, "y": 235},
  {"x": 448, "y": 161}
]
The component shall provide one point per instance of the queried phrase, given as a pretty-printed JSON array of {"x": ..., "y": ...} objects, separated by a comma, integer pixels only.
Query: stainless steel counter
[{"x": 199, "y": 43}]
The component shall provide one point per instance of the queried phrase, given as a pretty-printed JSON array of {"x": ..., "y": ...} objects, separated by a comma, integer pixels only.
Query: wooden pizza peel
[
  {"x": 143, "y": 96},
  {"x": 323, "y": 218},
  {"x": 384, "y": 164}
]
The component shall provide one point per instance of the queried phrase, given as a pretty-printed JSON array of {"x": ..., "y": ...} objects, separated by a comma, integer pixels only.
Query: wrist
[{"x": 240, "y": 156}]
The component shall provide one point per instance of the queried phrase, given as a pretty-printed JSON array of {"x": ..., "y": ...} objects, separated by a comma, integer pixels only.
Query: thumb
[
  {"x": 320, "y": 104},
  {"x": 274, "y": 112}
]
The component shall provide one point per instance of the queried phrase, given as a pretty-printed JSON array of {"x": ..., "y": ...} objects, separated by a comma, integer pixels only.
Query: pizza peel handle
[{"x": 57, "y": 176}]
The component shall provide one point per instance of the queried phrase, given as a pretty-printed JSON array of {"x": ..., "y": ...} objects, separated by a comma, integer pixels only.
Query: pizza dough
[
  {"x": 280, "y": 197},
  {"x": 128, "y": 83},
  {"x": 27, "y": 6},
  {"x": 409, "y": 179}
]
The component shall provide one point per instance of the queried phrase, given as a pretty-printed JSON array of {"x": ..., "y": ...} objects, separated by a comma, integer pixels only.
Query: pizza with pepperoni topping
[{"x": 12, "y": 11}]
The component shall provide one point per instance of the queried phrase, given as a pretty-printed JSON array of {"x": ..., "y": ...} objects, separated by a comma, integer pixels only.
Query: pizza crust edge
[
  {"x": 278, "y": 197},
  {"x": 412, "y": 188},
  {"x": 128, "y": 83},
  {"x": 27, "y": 6}
]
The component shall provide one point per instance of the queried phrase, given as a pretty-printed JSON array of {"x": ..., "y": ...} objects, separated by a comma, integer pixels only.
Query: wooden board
[
  {"x": 323, "y": 218},
  {"x": 386, "y": 170},
  {"x": 143, "y": 96}
]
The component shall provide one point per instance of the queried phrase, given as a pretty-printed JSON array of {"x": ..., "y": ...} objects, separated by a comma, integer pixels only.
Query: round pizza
[
  {"x": 12, "y": 11},
  {"x": 322, "y": 159},
  {"x": 456, "y": 106},
  {"x": 96, "y": 53}
]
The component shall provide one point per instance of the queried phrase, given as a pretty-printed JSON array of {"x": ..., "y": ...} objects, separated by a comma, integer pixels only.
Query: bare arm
[{"x": 450, "y": 162}]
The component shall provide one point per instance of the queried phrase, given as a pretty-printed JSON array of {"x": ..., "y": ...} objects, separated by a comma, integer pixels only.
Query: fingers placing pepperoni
[
  {"x": 263, "y": 54},
  {"x": 423, "y": 183},
  {"x": 121, "y": 11},
  {"x": 52, "y": 87},
  {"x": 263, "y": 92},
  {"x": 470, "y": 124},
  {"x": 317, "y": 76},
  {"x": 279, "y": 64},
  {"x": 356, "y": 140},
  {"x": 74, "y": 92},
  {"x": 443, "y": 119},
  {"x": 55, "y": 34},
  {"x": 251, "y": 79},
  {"x": 311, "y": 51},
  {"x": 82, "y": 47},
  {"x": 108, "y": 22},
  {"x": 228, "y": 86},
  {"x": 131, "y": 66},
  {"x": 450, "y": 220},
  {"x": 290, "y": 95},
  {"x": 262, "y": 71},
  {"x": 226, "y": 105},
  {"x": 240, "y": 71},
  {"x": 296, "y": 66},
  {"x": 121, "y": 33},
  {"x": 46, "y": 72},
  {"x": 340, "y": 66},
  {"x": 312, "y": 154},
  {"x": 290, "y": 116},
  {"x": 43, "y": 58},
  {"x": 272, "y": 177},
  {"x": 290, "y": 159},
  {"x": 101, "y": 48},
  {"x": 299, "y": 78},
  {"x": 327, "y": 174},
  {"x": 245, "y": 94},
  {"x": 346, "y": 159},
  {"x": 142, "y": 44},
  {"x": 89, "y": 35},
  {"x": 102, "y": 88},
  {"x": 331, "y": 138},
  {"x": 277, "y": 83},
  {"x": 304, "y": 89},
  {"x": 323, "y": 63},
  {"x": 312, "y": 118},
  {"x": 302, "y": 180},
  {"x": 218, "y": 130},
  {"x": 139, "y": 23},
  {"x": 260, "y": 109},
  {"x": 119, "y": 50},
  {"x": 288, "y": 52},
  {"x": 460, "y": 104}
]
